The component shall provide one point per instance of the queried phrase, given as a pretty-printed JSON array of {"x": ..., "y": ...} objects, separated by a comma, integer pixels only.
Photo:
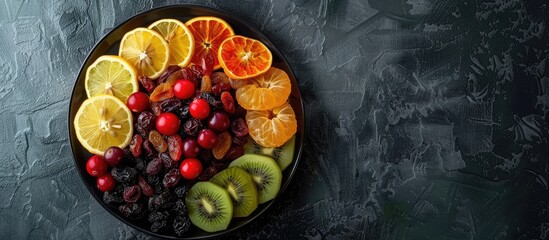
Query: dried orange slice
[
  {"x": 208, "y": 33},
  {"x": 265, "y": 91},
  {"x": 243, "y": 57},
  {"x": 146, "y": 50},
  {"x": 272, "y": 128},
  {"x": 179, "y": 38}
]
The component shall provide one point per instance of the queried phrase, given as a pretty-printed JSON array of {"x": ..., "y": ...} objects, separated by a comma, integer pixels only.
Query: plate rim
[{"x": 298, "y": 152}]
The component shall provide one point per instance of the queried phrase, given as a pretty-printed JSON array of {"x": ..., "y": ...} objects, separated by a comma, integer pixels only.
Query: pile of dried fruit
[{"x": 181, "y": 149}]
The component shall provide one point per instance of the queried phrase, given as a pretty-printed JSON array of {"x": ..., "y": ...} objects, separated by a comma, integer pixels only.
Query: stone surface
[{"x": 427, "y": 119}]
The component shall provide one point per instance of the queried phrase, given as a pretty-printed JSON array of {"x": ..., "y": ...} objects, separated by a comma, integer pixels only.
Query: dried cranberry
[
  {"x": 239, "y": 127},
  {"x": 167, "y": 160},
  {"x": 207, "y": 173},
  {"x": 192, "y": 127},
  {"x": 228, "y": 102},
  {"x": 146, "y": 189},
  {"x": 157, "y": 110},
  {"x": 207, "y": 62},
  {"x": 221, "y": 87},
  {"x": 171, "y": 178},
  {"x": 147, "y": 83},
  {"x": 136, "y": 144},
  {"x": 170, "y": 105},
  {"x": 240, "y": 140},
  {"x": 146, "y": 120},
  {"x": 234, "y": 152},
  {"x": 149, "y": 148},
  {"x": 132, "y": 194},
  {"x": 154, "y": 167},
  {"x": 167, "y": 73}
]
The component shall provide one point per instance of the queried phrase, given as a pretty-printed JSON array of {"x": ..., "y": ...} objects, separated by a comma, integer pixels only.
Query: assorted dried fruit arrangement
[{"x": 189, "y": 125}]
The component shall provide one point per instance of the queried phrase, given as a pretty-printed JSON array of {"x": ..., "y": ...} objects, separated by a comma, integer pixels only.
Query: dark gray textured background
[{"x": 426, "y": 119}]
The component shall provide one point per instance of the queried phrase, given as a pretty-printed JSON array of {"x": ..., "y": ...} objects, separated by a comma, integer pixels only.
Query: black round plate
[{"x": 109, "y": 45}]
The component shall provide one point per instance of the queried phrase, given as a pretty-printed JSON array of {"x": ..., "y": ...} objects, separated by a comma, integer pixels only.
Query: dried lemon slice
[{"x": 103, "y": 121}]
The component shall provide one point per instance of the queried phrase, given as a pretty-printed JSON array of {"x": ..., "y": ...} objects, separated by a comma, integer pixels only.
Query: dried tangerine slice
[
  {"x": 265, "y": 91},
  {"x": 243, "y": 57},
  {"x": 272, "y": 128},
  {"x": 209, "y": 33}
]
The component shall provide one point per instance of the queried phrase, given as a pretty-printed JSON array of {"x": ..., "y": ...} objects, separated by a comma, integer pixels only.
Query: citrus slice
[
  {"x": 180, "y": 40},
  {"x": 272, "y": 128},
  {"x": 111, "y": 75},
  {"x": 208, "y": 33},
  {"x": 265, "y": 91},
  {"x": 103, "y": 121},
  {"x": 243, "y": 57},
  {"x": 146, "y": 50}
]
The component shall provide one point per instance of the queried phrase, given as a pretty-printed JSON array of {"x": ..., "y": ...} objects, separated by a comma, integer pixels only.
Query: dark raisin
[
  {"x": 220, "y": 166},
  {"x": 132, "y": 194},
  {"x": 207, "y": 173},
  {"x": 234, "y": 152},
  {"x": 140, "y": 164},
  {"x": 206, "y": 157},
  {"x": 146, "y": 120},
  {"x": 239, "y": 127},
  {"x": 228, "y": 102},
  {"x": 113, "y": 198},
  {"x": 156, "y": 109},
  {"x": 192, "y": 126},
  {"x": 181, "y": 191},
  {"x": 149, "y": 148},
  {"x": 240, "y": 140},
  {"x": 136, "y": 144},
  {"x": 143, "y": 132},
  {"x": 167, "y": 73},
  {"x": 181, "y": 225},
  {"x": 170, "y": 105},
  {"x": 239, "y": 111},
  {"x": 158, "y": 216},
  {"x": 147, "y": 83},
  {"x": 171, "y": 178},
  {"x": 156, "y": 226},
  {"x": 131, "y": 210},
  {"x": 180, "y": 209},
  {"x": 155, "y": 183},
  {"x": 167, "y": 161},
  {"x": 217, "y": 89},
  {"x": 183, "y": 112},
  {"x": 146, "y": 189},
  {"x": 208, "y": 97},
  {"x": 124, "y": 174},
  {"x": 154, "y": 167},
  {"x": 164, "y": 200}
]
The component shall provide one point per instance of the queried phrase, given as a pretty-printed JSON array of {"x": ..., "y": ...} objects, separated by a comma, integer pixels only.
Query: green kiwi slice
[
  {"x": 241, "y": 187},
  {"x": 265, "y": 173},
  {"x": 283, "y": 155},
  {"x": 210, "y": 206}
]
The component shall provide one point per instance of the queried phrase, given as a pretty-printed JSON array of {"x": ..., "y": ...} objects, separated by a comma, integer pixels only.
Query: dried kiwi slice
[
  {"x": 264, "y": 171},
  {"x": 283, "y": 155},
  {"x": 241, "y": 187},
  {"x": 210, "y": 206}
]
